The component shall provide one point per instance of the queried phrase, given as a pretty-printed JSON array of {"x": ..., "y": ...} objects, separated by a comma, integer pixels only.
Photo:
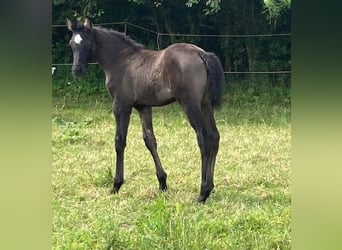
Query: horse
[{"x": 140, "y": 78}]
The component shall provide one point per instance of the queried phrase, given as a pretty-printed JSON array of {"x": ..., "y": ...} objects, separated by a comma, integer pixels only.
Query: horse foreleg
[
  {"x": 150, "y": 142},
  {"x": 122, "y": 116}
]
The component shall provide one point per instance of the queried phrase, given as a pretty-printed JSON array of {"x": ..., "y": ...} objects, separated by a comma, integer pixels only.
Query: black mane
[{"x": 122, "y": 36}]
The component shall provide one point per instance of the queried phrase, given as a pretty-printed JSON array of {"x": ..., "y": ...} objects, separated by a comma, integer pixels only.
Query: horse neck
[{"x": 110, "y": 49}]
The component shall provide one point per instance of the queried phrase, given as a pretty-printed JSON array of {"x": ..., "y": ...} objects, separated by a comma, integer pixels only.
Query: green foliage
[
  {"x": 70, "y": 131},
  {"x": 77, "y": 9},
  {"x": 274, "y": 8},
  {"x": 138, "y": 1},
  {"x": 213, "y": 5},
  {"x": 66, "y": 85},
  {"x": 258, "y": 90}
]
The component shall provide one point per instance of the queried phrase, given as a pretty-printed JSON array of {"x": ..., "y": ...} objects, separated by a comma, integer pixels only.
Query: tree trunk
[
  {"x": 168, "y": 29},
  {"x": 249, "y": 41},
  {"x": 250, "y": 55},
  {"x": 227, "y": 29}
]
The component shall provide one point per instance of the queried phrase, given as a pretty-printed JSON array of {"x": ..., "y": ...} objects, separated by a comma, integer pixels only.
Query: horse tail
[{"x": 215, "y": 76}]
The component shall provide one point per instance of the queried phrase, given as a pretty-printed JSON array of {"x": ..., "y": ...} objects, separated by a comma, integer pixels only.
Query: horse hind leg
[
  {"x": 205, "y": 142},
  {"x": 209, "y": 116},
  {"x": 150, "y": 142}
]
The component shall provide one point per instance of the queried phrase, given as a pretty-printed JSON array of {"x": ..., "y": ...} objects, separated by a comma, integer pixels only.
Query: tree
[
  {"x": 202, "y": 17},
  {"x": 274, "y": 8}
]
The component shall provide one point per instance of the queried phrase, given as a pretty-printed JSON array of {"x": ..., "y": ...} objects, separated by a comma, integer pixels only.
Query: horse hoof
[
  {"x": 162, "y": 182},
  {"x": 116, "y": 187},
  {"x": 204, "y": 196},
  {"x": 202, "y": 199},
  {"x": 113, "y": 191},
  {"x": 163, "y": 188}
]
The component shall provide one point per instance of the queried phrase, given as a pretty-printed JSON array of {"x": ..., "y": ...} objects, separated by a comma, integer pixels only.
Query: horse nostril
[{"x": 76, "y": 70}]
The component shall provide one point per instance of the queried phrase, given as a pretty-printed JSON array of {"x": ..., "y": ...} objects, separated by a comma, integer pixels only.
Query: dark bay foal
[{"x": 140, "y": 78}]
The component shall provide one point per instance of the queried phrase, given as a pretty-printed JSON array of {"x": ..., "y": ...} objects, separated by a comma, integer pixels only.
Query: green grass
[{"x": 250, "y": 207}]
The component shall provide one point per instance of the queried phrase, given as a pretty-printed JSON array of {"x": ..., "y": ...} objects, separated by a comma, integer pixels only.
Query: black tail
[{"x": 215, "y": 76}]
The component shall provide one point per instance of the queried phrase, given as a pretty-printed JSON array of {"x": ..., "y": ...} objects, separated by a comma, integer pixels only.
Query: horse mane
[{"x": 121, "y": 36}]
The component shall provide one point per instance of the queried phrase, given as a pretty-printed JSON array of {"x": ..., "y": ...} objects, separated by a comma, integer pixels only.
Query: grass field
[{"x": 250, "y": 207}]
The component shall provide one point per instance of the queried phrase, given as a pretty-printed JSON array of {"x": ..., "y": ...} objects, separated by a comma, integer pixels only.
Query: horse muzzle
[{"x": 77, "y": 70}]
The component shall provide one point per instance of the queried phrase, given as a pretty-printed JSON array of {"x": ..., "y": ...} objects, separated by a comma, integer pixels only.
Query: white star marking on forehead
[{"x": 78, "y": 39}]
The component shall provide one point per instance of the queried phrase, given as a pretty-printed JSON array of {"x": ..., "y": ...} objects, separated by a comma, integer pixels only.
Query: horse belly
[
  {"x": 154, "y": 94},
  {"x": 157, "y": 97},
  {"x": 164, "y": 96}
]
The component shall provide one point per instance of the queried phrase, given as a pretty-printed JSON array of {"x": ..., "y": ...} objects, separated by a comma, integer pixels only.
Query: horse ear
[
  {"x": 69, "y": 24},
  {"x": 88, "y": 24}
]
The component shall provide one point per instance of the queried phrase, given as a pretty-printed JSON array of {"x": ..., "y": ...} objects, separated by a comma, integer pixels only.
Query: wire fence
[{"x": 159, "y": 35}]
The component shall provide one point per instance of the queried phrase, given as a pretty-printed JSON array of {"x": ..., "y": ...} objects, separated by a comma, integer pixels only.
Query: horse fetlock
[{"x": 162, "y": 181}]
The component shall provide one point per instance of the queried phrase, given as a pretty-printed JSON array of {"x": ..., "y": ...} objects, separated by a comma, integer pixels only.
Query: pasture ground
[{"x": 250, "y": 207}]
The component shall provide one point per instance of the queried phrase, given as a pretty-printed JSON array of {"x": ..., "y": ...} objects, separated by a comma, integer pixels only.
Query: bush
[
  {"x": 258, "y": 90},
  {"x": 64, "y": 84}
]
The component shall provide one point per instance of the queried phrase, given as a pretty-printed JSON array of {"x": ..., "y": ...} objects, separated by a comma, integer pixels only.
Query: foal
[{"x": 140, "y": 78}]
